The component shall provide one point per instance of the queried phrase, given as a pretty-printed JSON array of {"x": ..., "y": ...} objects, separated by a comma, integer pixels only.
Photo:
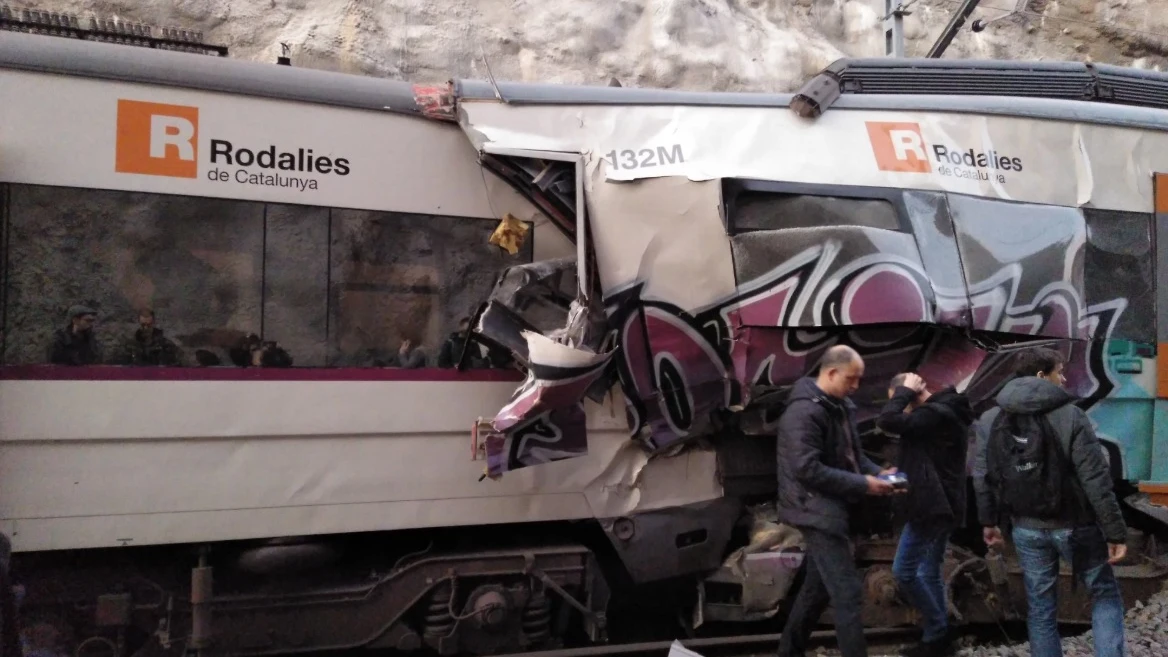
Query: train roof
[{"x": 1089, "y": 93}]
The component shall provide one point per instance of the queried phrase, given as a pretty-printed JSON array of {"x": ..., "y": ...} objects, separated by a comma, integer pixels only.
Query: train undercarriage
[{"x": 720, "y": 567}]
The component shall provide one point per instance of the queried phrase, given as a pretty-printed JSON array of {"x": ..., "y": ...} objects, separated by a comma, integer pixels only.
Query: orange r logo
[{"x": 157, "y": 139}]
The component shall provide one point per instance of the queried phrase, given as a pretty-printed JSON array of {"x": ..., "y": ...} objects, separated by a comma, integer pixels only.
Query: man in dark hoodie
[
  {"x": 822, "y": 472},
  {"x": 1085, "y": 527},
  {"x": 933, "y": 431}
]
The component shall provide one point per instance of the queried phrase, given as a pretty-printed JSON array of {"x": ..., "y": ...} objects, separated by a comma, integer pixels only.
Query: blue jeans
[
  {"x": 917, "y": 568},
  {"x": 1039, "y": 551}
]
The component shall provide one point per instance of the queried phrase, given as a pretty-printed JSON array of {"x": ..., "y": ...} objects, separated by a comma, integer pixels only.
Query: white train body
[{"x": 92, "y": 458}]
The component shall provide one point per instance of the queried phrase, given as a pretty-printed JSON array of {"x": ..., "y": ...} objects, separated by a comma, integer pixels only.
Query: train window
[
  {"x": 296, "y": 269},
  {"x": 1120, "y": 263},
  {"x": 235, "y": 283},
  {"x": 402, "y": 277},
  {"x": 756, "y": 210},
  {"x": 196, "y": 262},
  {"x": 1037, "y": 244}
]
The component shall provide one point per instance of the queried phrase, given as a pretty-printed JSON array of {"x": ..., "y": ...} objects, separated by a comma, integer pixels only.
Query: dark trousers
[{"x": 830, "y": 575}]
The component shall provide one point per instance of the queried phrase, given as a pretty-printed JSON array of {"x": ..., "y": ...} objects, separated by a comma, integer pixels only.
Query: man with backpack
[
  {"x": 933, "y": 430},
  {"x": 1040, "y": 468}
]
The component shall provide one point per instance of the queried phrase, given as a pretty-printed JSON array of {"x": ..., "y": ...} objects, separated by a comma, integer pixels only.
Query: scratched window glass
[
  {"x": 196, "y": 262},
  {"x": 1017, "y": 256},
  {"x": 754, "y": 211},
  {"x": 402, "y": 277},
  {"x": 1120, "y": 270}
]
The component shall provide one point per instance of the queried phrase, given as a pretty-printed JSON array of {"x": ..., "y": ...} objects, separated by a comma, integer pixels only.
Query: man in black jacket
[
  {"x": 451, "y": 351},
  {"x": 75, "y": 343},
  {"x": 933, "y": 445},
  {"x": 822, "y": 472},
  {"x": 1089, "y": 532}
]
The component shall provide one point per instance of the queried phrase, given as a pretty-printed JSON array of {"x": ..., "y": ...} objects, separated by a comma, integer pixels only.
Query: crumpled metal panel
[
  {"x": 534, "y": 297},
  {"x": 533, "y": 312},
  {"x": 545, "y": 422}
]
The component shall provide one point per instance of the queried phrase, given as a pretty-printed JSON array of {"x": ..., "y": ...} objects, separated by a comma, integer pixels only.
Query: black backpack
[{"x": 1025, "y": 466}]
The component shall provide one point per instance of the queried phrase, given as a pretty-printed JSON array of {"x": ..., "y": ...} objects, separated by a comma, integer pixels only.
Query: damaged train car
[
  {"x": 725, "y": 241},
  {"x": 643, "y": 272}
]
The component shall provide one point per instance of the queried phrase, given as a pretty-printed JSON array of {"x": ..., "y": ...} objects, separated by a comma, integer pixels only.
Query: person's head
[
  {"x": 1043, "y": 362},
  {"x": 840, "y": 371},
  {"x": 146, "y": 318},
  {"x": 81, "y": 318},
  {"x": 898, "y": 381},
  {"x": 464, "y": 326}
]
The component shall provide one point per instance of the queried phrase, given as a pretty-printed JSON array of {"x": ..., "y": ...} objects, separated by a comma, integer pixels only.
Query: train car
[
  {"x": 641, "y": 262},
  {"x": 937, "y": 216},
  {"x": 324, "y": 214}
]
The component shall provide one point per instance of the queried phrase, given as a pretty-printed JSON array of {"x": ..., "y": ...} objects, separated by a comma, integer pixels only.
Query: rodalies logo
[
  {"x": 900, "y": 147},
  {"x": 157, "y": 139}
]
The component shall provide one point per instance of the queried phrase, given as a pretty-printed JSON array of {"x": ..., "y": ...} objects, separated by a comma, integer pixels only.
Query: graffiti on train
[{"x": 679, "y": 368}]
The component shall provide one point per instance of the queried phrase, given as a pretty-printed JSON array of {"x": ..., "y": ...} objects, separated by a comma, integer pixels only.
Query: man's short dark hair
[
  {"x": 898, "y": 380},
  {"x": 837, "y": 356},
  {"x": 1038, "y": 359}
]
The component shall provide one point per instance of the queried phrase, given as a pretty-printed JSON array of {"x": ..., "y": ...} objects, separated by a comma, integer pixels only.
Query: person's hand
[
  {"x": 1116, "y": 552},
  {"x": 889, "y": 471},
  {"x": 914, "y": 382},
  {"x": 405, "y": 346},
  {"x": 992, "y": 536},
  {"x": 878, "y": 487}
]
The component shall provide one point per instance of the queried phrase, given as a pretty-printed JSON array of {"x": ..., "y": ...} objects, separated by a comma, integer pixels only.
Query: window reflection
[{"x": 146, "y": 280}]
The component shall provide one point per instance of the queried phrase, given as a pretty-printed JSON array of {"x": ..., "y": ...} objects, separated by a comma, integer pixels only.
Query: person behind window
[
  {"x": 408, "y": 356},
  {"x": 148, "y": 346},
  {"x": 253, "y": 351},
  {"x": 458, "y": 341},
  {"x": 75, "y": 343}
]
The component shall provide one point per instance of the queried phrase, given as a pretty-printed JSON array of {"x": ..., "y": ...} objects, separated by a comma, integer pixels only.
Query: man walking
[
  {"x": 822, "y": 471},
  {"x": 933, "y": 430},
  {"x": 1040, "y": 467}
]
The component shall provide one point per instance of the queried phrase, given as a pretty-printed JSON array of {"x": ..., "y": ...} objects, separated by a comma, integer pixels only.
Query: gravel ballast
[{"x": 1145, "y": 629}]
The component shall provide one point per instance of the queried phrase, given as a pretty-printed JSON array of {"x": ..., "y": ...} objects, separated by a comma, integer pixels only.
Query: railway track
[{"x": 733, "y": 645}]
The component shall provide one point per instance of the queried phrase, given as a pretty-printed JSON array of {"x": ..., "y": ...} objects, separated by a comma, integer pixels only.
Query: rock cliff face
[{"x": 764, "y": 45}]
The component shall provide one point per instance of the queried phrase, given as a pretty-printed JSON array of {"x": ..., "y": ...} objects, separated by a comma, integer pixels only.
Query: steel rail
[{"x": 882, "y": 634}]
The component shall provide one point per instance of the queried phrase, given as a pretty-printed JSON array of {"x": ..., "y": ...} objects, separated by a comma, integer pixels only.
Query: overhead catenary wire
[{"x": 1065, "y": 19}]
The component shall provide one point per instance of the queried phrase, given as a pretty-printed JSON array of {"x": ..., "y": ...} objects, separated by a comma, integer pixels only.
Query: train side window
[
  {"x": 397, "y": 277},
  {"x": 236, "y": 283},
  {"x": 766, "y": 211},
  {"x": 1119, "y": 262},
  {"x": 751, "y": 206},
  {"x": 196, "y": 262}
]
